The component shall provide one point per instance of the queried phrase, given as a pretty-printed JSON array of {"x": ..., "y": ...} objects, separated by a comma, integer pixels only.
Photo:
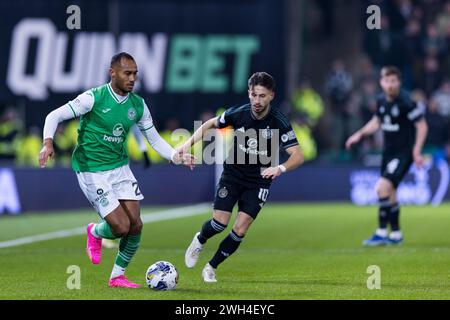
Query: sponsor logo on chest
[{"x": 117, "y": 132}]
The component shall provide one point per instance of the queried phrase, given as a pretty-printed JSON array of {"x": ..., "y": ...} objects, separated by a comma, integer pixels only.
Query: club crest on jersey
[
  {"x": 131, "y": 114},
  {"x": 394, "y": 111},
  {"x": 117, "y": 130},
  {"x": 267, "y": 133}
]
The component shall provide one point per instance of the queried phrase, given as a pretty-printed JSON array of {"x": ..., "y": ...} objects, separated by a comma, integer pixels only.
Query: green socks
[
  {"x": 103, "y": 230},
  {"x": 127, "y": 248}
]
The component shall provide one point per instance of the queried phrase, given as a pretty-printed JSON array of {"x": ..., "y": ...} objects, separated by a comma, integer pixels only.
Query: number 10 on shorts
[{"x": 263, "y": 194}]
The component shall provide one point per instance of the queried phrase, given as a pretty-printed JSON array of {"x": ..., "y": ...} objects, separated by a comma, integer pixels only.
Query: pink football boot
[
  {"x": 93, "y": 246},
  {"x": 122, "y": 282}
]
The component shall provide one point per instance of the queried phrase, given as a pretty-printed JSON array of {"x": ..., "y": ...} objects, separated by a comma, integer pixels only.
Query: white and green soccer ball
[{"x": 162, "y": 275}]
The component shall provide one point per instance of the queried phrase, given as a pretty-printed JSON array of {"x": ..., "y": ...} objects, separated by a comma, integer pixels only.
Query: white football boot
[
  {"x": 209, "y": 274},
  {"x": 193, "y": 252}
]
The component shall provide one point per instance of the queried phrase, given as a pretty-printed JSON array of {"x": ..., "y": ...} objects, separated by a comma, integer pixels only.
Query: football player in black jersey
[
  {"x": 260, "y": 130},
  {"x": 404, "y": 130}
]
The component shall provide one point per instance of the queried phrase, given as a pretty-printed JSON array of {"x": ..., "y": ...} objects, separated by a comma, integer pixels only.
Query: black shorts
[
  {"x": 395, "y": 166},
  {"x": 250, "y": 199}
]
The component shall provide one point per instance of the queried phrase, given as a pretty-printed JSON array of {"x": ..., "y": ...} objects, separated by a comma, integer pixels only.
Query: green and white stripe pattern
[{"x": 127, "y": 248}]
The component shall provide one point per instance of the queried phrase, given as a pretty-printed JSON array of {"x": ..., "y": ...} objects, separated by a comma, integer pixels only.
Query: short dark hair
[
  {"x": 391, "y": 71},
  {"x": 118, "y": 57},
  {"x": 261, "y": 79}
]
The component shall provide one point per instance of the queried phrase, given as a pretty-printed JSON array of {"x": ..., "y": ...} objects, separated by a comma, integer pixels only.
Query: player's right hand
[
  {"x": 185, "y": 159},
  {"x": 46, "y": 152},
  {"x": 353, "y": 140}
]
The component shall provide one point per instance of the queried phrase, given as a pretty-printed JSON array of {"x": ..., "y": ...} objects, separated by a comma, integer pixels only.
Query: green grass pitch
[{"x": 293, "y": 251}]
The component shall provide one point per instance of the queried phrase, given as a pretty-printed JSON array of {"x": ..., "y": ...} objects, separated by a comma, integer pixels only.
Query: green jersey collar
[{"x": 113, "y": 94}]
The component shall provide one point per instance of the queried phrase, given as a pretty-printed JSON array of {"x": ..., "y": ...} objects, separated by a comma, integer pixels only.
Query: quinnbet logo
[{"x": 217, "y": 63}]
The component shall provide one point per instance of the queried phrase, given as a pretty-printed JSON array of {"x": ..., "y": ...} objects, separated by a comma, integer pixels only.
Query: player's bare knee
[
  {"x": 240, "y": 231},
  {"x": 383, "y": 190},
  {"x": 121, "y": 229},
  {"x": 222, "y": 217},
  {"x": 240, "y": 228},
  {"x": 136, "y": 227}
]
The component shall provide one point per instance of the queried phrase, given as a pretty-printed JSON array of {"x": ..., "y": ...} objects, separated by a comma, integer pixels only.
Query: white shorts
[{"x": 104, "y": 189}]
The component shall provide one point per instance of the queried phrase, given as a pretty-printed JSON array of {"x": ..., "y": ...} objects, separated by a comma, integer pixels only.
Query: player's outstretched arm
[
  {"x": 51, "y": 124},
  {"x": 372, "y": 126},
  {"x": 166, "y": 151},
  {"x": 295, "y": 160},
  {"x": 421, "y": 135},
  {"x": 145, "y": 124},
  {"x": 198, "y": 135},
  {"x": 73, "y": 109}
]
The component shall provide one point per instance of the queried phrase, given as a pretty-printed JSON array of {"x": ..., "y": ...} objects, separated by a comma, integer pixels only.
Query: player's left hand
[
  {"x": 271, "y": 173},
  {"x": 418, "y": 159}
]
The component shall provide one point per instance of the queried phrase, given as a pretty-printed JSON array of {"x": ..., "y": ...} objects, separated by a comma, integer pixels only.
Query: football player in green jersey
[{"x": 100, "y": 160}]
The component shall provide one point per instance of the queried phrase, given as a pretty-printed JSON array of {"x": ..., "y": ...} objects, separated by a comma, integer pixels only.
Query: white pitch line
[{"x": 146, "y": 218}]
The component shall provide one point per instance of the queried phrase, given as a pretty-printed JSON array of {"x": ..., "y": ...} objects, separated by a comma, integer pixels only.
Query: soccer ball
[{"x": 162, "y": 275}]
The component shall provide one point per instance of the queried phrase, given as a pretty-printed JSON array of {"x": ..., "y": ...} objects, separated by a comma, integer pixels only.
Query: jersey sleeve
[
  {"x": 415, "y": 111},
  {"x": 146, "y": 121},
  {"x": 148, "y": 129},
  {"x": 82, "y": 104},
  {"x": 377, "y": 112},
  {"x": 139, "y": 138},
  {"x": 226, "y": 119},
  {"x": 287, "y": 136},
  {"x": 73, "y": 109}
]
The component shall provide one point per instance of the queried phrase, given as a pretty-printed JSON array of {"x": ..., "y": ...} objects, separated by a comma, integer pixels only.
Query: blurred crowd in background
[{"x": 414, "y": 35}]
